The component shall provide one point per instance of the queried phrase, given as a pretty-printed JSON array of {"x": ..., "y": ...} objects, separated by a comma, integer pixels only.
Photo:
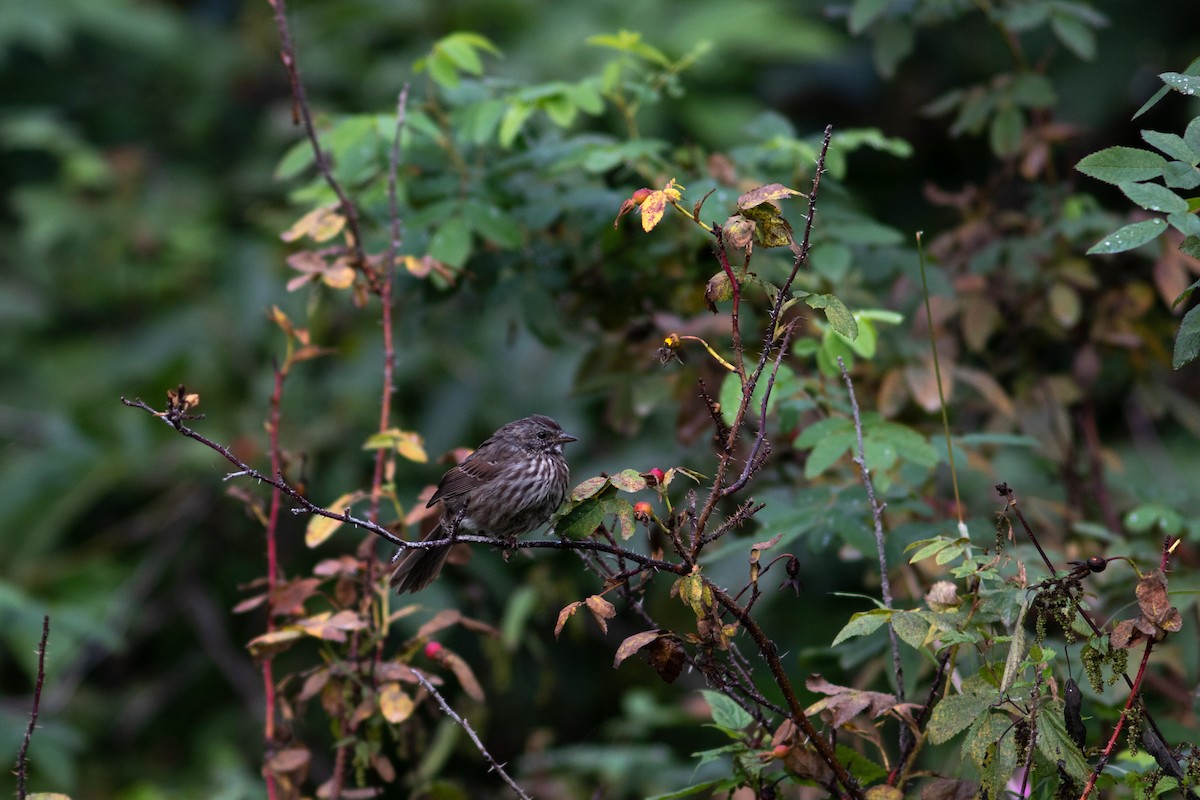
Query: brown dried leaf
[
  {"x": 268, "y": 644},
  {"x": 443, "y": 619},
  {"x": 602, "y": 611},
  {"x": 250, "y": 603},
  {"x": 565, "y": 614},
  {"x": 288, "y": 598},
  {"x": 462, "y": 671},
  {"x": 1124, "y": 635},
  {"x": 764, "y": 194},
  {"x": 634, "y": 643},
  {"x": 383, "y": 767},
  {"x": 665, "y": 656},
  {"x": 844, "y": 703},
  {"x": 718, "y": 289},
  {"x": 313, "y": 684},
  {"x": 949, "y": 789},
  {"x": 1152, "y": 597},
  {"x": 289, "y": 760}
]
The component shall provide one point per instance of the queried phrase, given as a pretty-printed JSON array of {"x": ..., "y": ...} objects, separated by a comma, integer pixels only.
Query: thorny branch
[
  {"x": 23, "y": 753},
  {"x": 462, "y": 722},
  {"x": 860, "y": 458}
]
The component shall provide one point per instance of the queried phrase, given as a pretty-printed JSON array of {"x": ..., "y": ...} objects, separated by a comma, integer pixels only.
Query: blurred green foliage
[{"x": 149, "y": 165}]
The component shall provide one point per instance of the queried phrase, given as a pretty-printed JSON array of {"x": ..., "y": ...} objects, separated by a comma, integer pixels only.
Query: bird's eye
[{"x": 542, "y": 434}]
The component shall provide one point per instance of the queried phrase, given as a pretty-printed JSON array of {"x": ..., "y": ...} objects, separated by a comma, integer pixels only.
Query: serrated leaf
[
  {"x": 1153, "y": 197},
  {"x": 726, "y": 713},
  {"x": 1173, "y": 145},
  {"x": 581, "y": 520},
  {"x": 1119, "y": 165},
  {"x": 1187, "y": 341},
  {"x": 1054, "y": 743},
  {"x": 839, "y": 316},
  {"x": 767, "y": 193},
  {"x": 628, "y": 480},
  {"x": 956, "y": 713},
  {"x": 1129, "y": 237},
  {"x": 862, "y": 624},
  {"x": 1185, "y": 84},
  {"x": 588, "y": 488},
  {"x": 911, "y": 627}
]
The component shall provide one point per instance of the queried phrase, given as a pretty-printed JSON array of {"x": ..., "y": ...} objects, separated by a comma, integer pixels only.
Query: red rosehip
[
  {"x": 432, "y": 649},
  {"x": 640, "y": 196},
  {"x": 654, "y": 476},
  {"x": 642, "y": 511}
]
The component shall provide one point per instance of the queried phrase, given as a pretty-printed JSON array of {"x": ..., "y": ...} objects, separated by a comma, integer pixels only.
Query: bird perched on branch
[{"x": 510, "y": 485}]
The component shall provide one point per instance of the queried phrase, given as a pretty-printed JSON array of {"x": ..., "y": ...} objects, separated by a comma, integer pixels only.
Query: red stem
[
  {"x": 273, "y": 421},
  {"x": 1112, "y": 740}
]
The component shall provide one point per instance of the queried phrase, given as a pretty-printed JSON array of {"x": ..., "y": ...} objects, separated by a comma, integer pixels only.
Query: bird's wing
[{"x": 463, "y": 478}]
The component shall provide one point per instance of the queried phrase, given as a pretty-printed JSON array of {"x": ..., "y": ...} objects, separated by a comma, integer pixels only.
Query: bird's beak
[{"x": 563, "y": 438}]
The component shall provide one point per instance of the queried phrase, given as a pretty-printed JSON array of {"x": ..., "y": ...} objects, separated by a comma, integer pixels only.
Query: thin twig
[
  {"x": 1130, "y": 702},
  {"x": 769, "y": 338},
  {"x": 860, "y": 458},
  {"x": 466, "y": 726},
  {"x": 23, "y": 753},
  {"x": 302, "y": 113},
  {"x": 770, "y": 654},
  {"x": 276, "y": 450}
]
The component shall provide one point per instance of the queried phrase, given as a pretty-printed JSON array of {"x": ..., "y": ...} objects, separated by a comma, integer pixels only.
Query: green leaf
[
  {"x": 1005, "y": 131},
  {"x": 492, "y": 224},
  {"x": 1075, "y": 35},
  {"x": 862, "y": 624},
  {"x": 1173, "y": 145},
  {"x": 725, "y": 712},
  {"x": 1119, "y": 165},
  {"x": 514, "y": 120},
  {"x": 956, "y": 713},
  {"x": 451, "y": 244},
  {"x": 694, "y": 789},
  {"x": 1181, "y": 175},
  {"x": 892, "y": 42},
  {"x": 581, "y": 520},
  {"x": 865, "y": 12},
  {"x": 1153, "y": 197},
  {"x": 840, "y": 318},
  {"x": 1191, "y": 247},
  {"x": 298, "y": 158},
  {"x": 1187, "y": 341},
  {"x": 911, "y": 627},
  {"x": 730, "y": 397},
  {"x": 827, "y": 452},
  {"x": 1129, "y": 237},
  {"x": 1191, "y": 134},
  {"x": 1031, "y": 90},
  {"x": 1185, "y": 84},
  {"x": 1056, "y": 746}
]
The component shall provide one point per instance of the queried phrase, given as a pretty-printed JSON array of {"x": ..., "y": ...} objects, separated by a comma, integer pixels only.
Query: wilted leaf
[
  {"x": 441, "y": 620},
  {"x": 628, "y": 480},
  {"x": 739, "y": 231},
  {"x": 320, "y": 225},
  {"x": 717, "y": 290},
  {"x": 331, "y": 627},
  {"x": 602, "y": 610},
  {"x": 588, "y": 488},
  {"x": 763, "y": 194},
  {"x": 288, "y": 598},
  {"x": 289, "y": 760},
  {"x": 634, "y": 643},
  {"x": 844, "y": 703},
  {"x": 565, "y": 614},
  {"x": 313, "y": 684},
  {"x": 665, "y": 656},
  {"x": 949, "y": 789},
  {"x": 268, "y": 644},
  {"x": 462, "y": 671}
]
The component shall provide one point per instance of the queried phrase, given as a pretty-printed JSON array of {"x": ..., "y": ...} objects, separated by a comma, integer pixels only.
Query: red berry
[
  {"x": 781, "y": 751},
  {"x": 642, "y": 511},
  {"x": 640, "y": 196},
  {"x": 432, "y": 649},
  {"x": 654, "y": 476}
]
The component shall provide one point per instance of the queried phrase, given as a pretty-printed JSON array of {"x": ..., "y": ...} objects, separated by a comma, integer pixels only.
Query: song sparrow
[{"x": 507, "y": 487}]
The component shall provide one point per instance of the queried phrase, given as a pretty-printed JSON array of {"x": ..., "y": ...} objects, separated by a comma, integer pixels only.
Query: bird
[{"x": 510, "y": 485}]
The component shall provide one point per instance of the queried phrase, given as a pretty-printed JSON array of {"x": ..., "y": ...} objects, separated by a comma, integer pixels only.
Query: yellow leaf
[
  {"x": 602, "y": 610},
  {"x": 652, "y": 210},
  {"x": 320, "y": 224},
  {"x": 340, "y": 274},
  {"x": 394, "y": 704},
  {"x": 273, "y": 642},
  {"x": 408, "y": 444},
  {"x": 321, "y": 528},
  {"x": 564, "y": 615}
]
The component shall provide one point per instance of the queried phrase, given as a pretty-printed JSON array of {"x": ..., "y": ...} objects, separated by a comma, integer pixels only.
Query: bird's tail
[{"x": 419, "y": 566}]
